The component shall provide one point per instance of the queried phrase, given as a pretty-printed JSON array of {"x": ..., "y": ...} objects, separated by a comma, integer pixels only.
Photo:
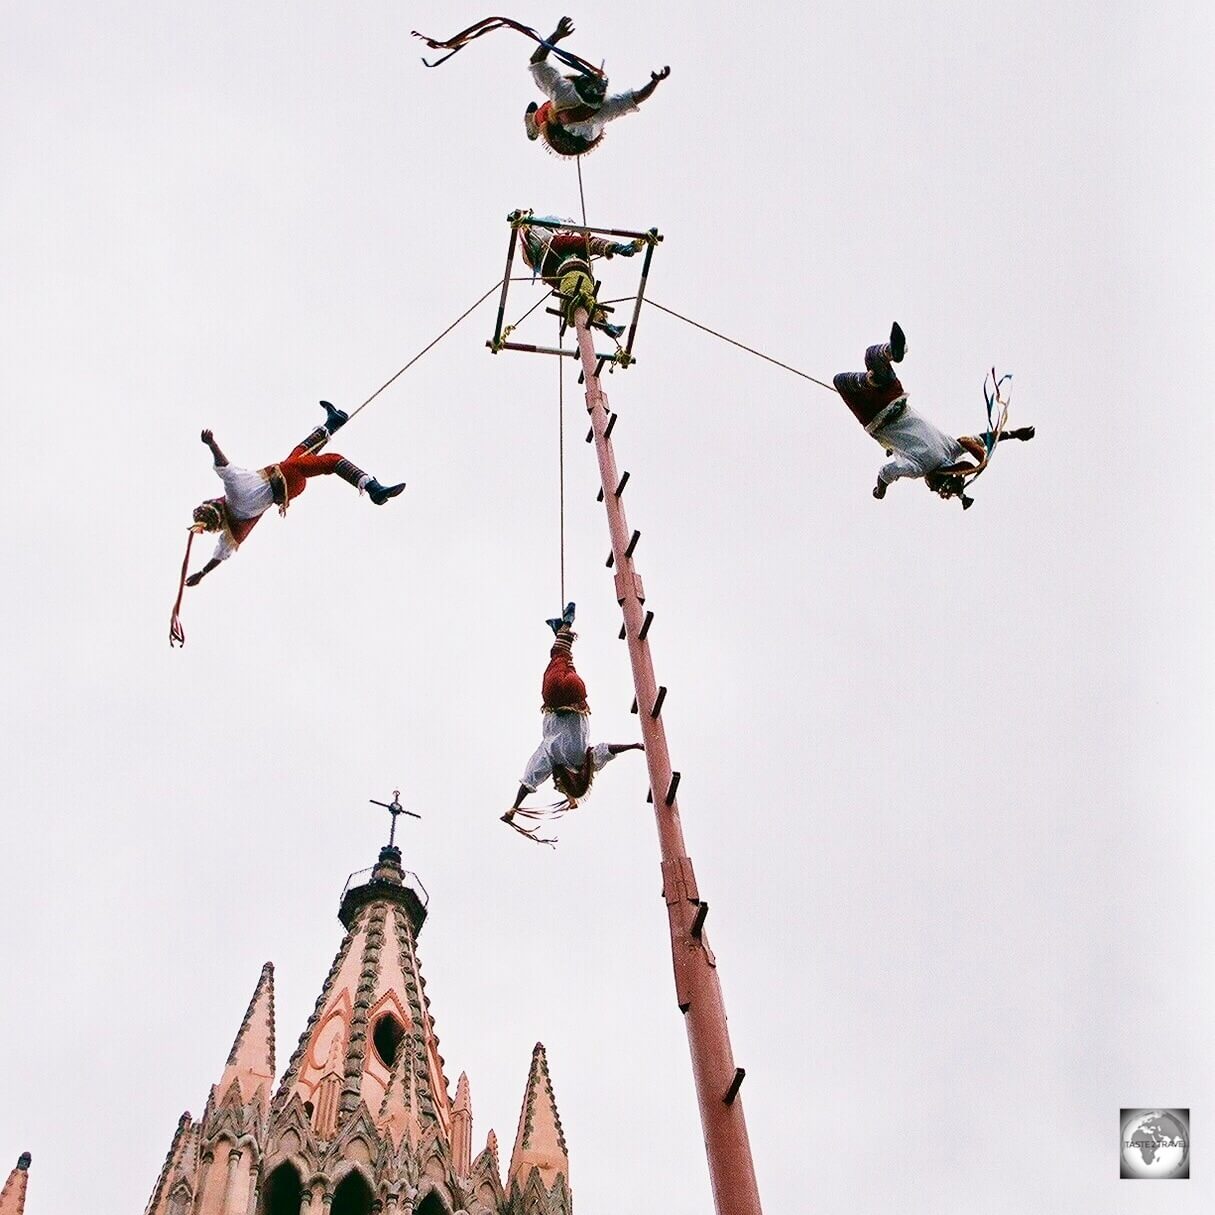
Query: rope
[
  {"x": 748, "y": 349},
  {"x": 561, "y": 458},
  {"x": 541, "y": 300},
  {"x": 467, "y": 312}
]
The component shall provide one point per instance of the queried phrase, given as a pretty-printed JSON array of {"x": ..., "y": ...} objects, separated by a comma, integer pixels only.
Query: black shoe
[
  {"x": 1025, "y": 433},
  {"x": 380, "y": 494},
  {"x": 529, "y": 121},
  {"x": 564, "y": 621},
  {"x": 335, "y": 419},
  {"x": 898, "y": 343}
]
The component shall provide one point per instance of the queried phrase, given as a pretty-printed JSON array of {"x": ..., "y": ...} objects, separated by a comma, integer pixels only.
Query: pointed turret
[
  {"x": 251, "y": 1060},
  {"x": 461, "y": 1128},
  {"x": 233, "y": 1129},
  {"x": 178, "y": 1174},
  {"x": 539, "y": 1165},
  {"x": 12, "y": 1197}
]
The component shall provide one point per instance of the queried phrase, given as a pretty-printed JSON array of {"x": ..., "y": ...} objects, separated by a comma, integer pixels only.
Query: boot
[
  {"x": 380, "y": 494},
  {"x": 615, "y": 332},
  {"x": 1024, "y": 433},
  {"x": 898, "y": 343},
  {"x": 529, "y": 122},
  {"x": 335, "y": 419},
  {"x": 564, "y": 621}
]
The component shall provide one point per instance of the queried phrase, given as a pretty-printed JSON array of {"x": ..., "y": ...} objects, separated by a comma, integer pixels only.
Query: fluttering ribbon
[
  {"x": 490, "y": 25},
  {"x": 177, "y": 635},
  {"x": 538, "y": 815}
]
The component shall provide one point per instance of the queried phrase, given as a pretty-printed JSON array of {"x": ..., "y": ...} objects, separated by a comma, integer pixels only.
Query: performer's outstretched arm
[
  {"x": 643, "y": 94},
  {"x": 976, "y": 447},
  {"x": 195, "y": 579},
  {"x": 565, "y": 27},
  {"x": 221, "y": 461}
]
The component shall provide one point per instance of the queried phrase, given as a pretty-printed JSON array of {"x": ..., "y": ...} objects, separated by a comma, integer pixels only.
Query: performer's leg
[
  {"x": 878, "y": 360},
  {"x": 861, "y": 395},
  {"x": 562, "y": 686}
]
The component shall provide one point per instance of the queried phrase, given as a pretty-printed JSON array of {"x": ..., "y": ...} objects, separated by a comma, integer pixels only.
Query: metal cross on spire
[{"x": 394, "y": 808}]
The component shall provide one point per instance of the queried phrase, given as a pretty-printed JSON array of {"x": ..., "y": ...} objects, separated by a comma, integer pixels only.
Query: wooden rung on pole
[
  {"x": 662, "y": 695},
  {"x": 645, "y": 626},
  {"x": 607, "y": 433},
  {"x": 671, "y": 788},
  {"x": 622, "y": 633},
  {"x": 624, "y": 480},
  {"x": 611, "y": 560},
  {"x": 599, "y": 495},
  {"x": 740, "y": 1074},
  {"x": 590, "y": 435},
  {"x": 698, "y": 922},
  {"x": 634, "y": 708},
  {"x": 628, "y": 552},
  {"x": 649, "y": 797}
]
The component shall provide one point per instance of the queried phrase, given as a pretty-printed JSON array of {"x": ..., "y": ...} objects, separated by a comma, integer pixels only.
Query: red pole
[{"x": 697, "y": 990}]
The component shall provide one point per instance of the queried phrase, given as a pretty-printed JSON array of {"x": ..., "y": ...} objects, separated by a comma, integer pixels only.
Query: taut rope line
[{"x": 740, "y": 345}]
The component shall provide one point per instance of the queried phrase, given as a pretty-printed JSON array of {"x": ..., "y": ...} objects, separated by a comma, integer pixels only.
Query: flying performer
[
  {"x": 249, "y": 494},
  {"x": 562, "y": 260},
  {"x": 578, "y": 106},
  {"x": 565, "y": 753},
  {"x": 919, "y": 449}
]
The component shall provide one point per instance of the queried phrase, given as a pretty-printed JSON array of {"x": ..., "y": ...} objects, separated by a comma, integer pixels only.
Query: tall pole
[{"x": 697, "y": 990}]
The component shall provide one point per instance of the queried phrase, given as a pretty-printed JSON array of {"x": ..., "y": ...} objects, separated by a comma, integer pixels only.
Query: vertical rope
[
  {"x": 582, "y": 199},
  {"x": 561, "y": 459}
]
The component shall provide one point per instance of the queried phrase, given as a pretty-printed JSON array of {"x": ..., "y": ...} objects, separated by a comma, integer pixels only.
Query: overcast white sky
[{"x": 945, "y": 776}]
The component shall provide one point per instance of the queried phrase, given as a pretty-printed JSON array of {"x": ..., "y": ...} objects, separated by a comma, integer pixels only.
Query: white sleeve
[
  {"x": 600, "y": 755},
  {"x": 616, "y": 106},
  {"x": 553, "y": 85},
  {"x": 224, "y": 547},
  {"x": 539, "y": 769},
  {"x": 900, "y": 466}
]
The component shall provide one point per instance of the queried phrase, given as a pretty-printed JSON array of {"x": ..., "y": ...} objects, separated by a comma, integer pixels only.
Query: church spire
[
  {"x": 251, "y": 1060},
  {"x": 12, "y": 1197},
  {"x": 461, "y": 1128},
  {"x": 540, "y": 1142}
]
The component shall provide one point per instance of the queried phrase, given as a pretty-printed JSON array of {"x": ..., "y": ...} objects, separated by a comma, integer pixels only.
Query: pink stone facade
[{"x": 362, "y": 1120}]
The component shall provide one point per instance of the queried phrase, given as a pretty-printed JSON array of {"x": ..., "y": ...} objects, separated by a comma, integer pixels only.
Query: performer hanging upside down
[
  {"x": 879, "y": 403},
  {"x": 248, "y": 494},
  {"x": 562, "y": 259},
  {"x": 578, "y": 106},
  {"x": 565, "y": 753}
]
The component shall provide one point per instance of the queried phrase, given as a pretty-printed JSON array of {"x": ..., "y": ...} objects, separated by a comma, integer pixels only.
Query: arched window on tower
[
  {"x": 284, "y": 1192},
  {"x": 432, "y": 1204},
  {"x": 353, "y": 1196},
  {"x": 387, "y": 1037}
]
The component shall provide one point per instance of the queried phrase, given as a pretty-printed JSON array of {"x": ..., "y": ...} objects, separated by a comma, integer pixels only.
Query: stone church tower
[{"x": 363, "y": 1119}]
